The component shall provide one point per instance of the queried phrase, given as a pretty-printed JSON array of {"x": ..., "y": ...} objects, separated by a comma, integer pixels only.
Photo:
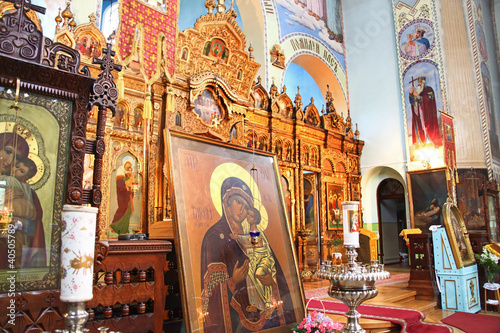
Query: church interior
[{"x": 206, "y": 165}]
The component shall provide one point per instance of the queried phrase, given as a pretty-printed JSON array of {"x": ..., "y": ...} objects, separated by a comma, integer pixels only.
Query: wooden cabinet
[
  {"x": 422, "y": 274},
  {"x": 129, "y": 292}
]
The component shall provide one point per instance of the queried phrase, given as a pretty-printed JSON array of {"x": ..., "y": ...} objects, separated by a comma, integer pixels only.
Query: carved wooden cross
[
  {"x": 105, "y": 93},
  {"x": 27, "y": 6}
]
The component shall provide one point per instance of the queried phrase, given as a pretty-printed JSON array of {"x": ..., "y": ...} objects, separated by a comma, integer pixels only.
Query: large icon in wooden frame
[
  {"x": 457, "y": 235},
  {"x": 428, "y": 191},
  {"x": 239, "y": 270},
  {"x": 34, "y": 149}
]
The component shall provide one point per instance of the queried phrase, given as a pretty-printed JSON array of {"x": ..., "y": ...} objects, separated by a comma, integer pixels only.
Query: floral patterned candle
[
  {"x": 350, "y": 210},
  {"x": 77, "y": 252}
]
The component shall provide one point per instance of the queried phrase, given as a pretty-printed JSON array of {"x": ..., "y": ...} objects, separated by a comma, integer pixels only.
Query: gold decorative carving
[
  {"x": 312, "y": 115},
  {"x": 89, "y": 40},
  {"x": 239, "y": 109},
  {"x": 277, "y": 56},
  {"x": 238, "y": 72},
  {"x": 302, "y": 137},
  {"x": 283, "y": 105}
]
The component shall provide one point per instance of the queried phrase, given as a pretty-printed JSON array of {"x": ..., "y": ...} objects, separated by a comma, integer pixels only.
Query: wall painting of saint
[
  {"x": 423, "y": 100},
  {"x": 126, "y": 187}
]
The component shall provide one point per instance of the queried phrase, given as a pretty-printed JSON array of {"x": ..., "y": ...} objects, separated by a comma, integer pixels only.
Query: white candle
[
  {"x": 350, "y": 211},
  {"x": 77, "y": 252}
]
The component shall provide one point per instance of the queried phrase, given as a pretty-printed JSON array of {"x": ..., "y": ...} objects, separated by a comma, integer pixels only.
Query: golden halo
[
  {"x": 33, "y": 150},
  {"x": 226, "y": 170},
  {"x": 40, "y": 168},
  {"x": 130, "y": 159}
]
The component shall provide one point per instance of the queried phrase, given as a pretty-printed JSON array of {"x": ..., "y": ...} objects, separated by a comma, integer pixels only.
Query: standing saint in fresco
[
  {"x": 124, "y": 194},
  {"x": 225, "y": 266},
  {"x": 425, "y": 123}
]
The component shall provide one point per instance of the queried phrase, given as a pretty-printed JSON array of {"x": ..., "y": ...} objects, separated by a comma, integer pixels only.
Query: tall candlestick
[{"x": 350, "y": 210}]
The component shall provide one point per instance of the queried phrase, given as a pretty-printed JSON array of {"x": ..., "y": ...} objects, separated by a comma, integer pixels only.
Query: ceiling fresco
[{"x": 318, "y": 18}]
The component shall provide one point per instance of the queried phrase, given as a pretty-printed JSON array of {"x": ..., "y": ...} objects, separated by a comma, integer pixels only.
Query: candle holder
[
  {"x": 76, "y": 317},
  {"x": 5, "y": 219},
  {"x": 77, "y": 263},
  {"x": 352, "y": 283},
  {"x": 303, "y": 233},
  {"x": 254, "y": 237}
]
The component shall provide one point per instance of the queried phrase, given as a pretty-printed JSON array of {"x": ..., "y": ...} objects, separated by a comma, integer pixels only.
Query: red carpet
[
  {"x": 471, "y": 322},
  {"x": 411, "y": 321}
]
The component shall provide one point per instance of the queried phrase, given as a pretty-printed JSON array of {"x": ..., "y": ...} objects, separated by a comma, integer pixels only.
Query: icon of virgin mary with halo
[{"x": 243, "y": 288}]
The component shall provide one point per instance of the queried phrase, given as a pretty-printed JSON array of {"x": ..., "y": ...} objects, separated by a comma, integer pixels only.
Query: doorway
[{"x": 391, "y": 206}]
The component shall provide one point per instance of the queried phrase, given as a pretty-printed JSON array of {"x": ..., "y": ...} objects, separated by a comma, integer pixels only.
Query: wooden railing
[{"x": 129, "y": 288}]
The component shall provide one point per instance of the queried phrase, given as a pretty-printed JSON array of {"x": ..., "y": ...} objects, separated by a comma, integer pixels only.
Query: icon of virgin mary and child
[{"x": 243, "y": 285}]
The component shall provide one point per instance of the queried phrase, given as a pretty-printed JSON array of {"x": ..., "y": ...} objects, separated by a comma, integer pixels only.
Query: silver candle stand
[{"x": 352, "y": 283}]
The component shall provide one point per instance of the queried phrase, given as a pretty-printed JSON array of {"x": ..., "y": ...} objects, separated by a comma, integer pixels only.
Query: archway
[
  {"x": 391, "y": 208},
  {"x": 323, "y": 77}
]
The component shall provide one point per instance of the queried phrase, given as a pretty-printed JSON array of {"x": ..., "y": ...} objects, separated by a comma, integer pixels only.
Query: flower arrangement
[
  {"x": 317, "y": 322},
  {"x": 489, "y": 261},
  {"x": 335, "y": 240}
]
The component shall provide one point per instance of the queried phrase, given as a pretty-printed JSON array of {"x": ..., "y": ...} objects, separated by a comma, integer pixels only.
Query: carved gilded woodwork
[
  {"x": 260, "y": 97},
  {"x": 283, "y": 105},
  {"x": 312, "y": 115},
  {"x": 89, "y": 40},
  {"x": 302, "y": 136},
  {"x": 277, "y": 56},
  {"x": 237, "y": 70}
]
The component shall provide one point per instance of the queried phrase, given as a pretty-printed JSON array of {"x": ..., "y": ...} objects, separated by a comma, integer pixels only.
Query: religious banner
[
  {"x": 150, "y": 30},
  {"x": 449, "y": 141}
]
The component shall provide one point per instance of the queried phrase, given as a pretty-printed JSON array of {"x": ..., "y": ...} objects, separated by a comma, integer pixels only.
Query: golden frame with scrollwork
[{"x": 457, "y": 235}]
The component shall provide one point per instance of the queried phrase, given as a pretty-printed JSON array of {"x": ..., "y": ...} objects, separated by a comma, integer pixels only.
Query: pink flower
[
  {"x": 337, "y": 326},
  {"x": 317, "y": 322}
]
